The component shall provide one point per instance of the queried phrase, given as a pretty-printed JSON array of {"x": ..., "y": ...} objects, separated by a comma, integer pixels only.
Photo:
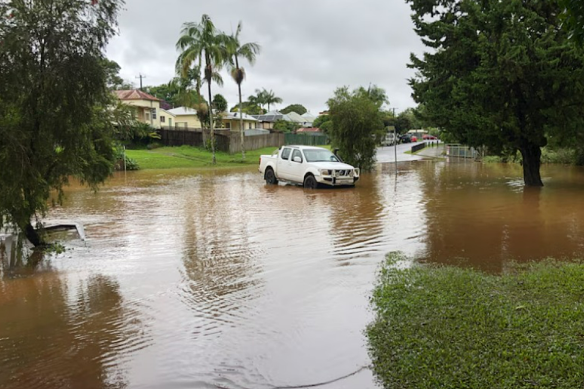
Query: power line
[{"x": 140, "y": 77}]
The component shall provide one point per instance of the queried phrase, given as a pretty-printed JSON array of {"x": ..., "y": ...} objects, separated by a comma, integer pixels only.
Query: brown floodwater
[{"x": 215, "y": 280}]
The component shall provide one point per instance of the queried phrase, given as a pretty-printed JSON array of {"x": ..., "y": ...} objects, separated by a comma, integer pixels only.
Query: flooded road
[{"x": 215, "y": 280}]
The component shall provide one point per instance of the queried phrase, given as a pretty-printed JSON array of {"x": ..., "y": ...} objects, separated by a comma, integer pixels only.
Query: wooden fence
[{"x": 225, "y": 140}]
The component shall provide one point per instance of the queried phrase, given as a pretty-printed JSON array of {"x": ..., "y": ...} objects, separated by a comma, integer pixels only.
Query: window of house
[
  {"x": 227, "y": 125},
  {"x": 147, "y": 116},
  {"x": 162, "y": 119},
  {"x": 153, "y": 110}
]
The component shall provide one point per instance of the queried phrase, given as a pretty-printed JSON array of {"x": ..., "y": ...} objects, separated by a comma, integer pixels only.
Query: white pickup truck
[{"x": 307, "y": 165}]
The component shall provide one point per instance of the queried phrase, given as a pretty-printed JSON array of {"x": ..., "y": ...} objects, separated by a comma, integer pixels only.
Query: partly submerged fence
[{"x": 418, "y": 147}]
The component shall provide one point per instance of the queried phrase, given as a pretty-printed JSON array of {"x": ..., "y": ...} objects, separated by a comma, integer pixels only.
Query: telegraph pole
[{"x": 140, "y": 76}]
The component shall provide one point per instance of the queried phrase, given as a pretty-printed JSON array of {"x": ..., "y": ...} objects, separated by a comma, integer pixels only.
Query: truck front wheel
[
  {"x": 271, "y": 177},
  {"x": 310, "y": 182}
]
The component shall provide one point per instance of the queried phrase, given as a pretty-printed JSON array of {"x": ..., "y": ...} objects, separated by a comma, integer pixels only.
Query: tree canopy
[
  {"x": 574, "y": 19},
  {"x": 54, "y": 117},
  {"x": 499, "y": 73},
  {"x": 219, "y": 103},
  {"x": 298, "y": 108},
  {"x": 357, "y": 126}
]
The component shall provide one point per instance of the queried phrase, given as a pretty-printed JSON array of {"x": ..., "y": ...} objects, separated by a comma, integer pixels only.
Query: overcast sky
[{"x": 309, "y": 47}]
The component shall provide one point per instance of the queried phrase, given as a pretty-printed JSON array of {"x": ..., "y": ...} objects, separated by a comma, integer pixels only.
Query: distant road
[{"x": 386, "y": 153}]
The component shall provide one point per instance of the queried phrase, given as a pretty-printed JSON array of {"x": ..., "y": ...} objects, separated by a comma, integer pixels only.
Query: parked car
[
  {"x": 389, "y": 139},
  {"x": 405, "y": 138},
  {"x": 307, "y": 165},
  {"x": 428, "y": 137}
]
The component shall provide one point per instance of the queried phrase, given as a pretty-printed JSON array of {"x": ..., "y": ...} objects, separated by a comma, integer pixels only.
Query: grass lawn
[
  {"x": 192, "y": 157},
  {"x": 447, "y": 327}
]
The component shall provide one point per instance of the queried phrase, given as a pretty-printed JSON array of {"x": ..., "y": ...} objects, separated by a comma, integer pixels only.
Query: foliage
[
  {"x": 324, "y": 123},
  {"x": 264, "y": 97},
  {"x": 357, "y": 126},
  {"x": 573, "y": 18},
  {"x": 449, "y": 327},
  {"x": 248, "y": 108},
  {"x": 112, "y": 71},
  {"x": 54, "y": 117},
  {"x": 500, "y": 74},
  {"x": 219, "y": 103},
  {"x": 375, "y": 94},
  {"x": 124, "y": 162},
  {"x": 298, "y": 108},
  {"x": 285, "y": 126}
]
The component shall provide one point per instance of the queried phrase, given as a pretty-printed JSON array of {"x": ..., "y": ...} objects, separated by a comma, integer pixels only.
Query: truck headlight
[{"x": 325, "y": 172}]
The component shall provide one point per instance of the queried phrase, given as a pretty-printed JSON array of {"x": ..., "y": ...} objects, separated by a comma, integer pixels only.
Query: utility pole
[
  {"x": 395, "y": 141},
  {"x": 140, "y": 77}
]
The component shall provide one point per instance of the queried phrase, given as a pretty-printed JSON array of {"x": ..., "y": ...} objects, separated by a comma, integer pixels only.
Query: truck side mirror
[{"x": 297, "y": 159}]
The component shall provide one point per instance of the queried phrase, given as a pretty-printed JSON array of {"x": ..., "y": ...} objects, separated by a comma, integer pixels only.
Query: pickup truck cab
[{"x": 308, "y": 166}]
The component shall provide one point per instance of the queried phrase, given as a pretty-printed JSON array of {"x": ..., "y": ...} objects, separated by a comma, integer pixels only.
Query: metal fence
[
  {"x": 461, "y": 151},
  {"x": 306, "y": 139}
]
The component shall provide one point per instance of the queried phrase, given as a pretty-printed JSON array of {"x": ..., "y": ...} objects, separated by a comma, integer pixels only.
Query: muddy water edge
[{"x": 205, "y": 280}]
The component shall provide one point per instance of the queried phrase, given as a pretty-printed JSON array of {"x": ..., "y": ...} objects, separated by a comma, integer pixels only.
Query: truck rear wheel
[
  {"x": 270, "y": 177},
  {"x": 310, "y": 182}
]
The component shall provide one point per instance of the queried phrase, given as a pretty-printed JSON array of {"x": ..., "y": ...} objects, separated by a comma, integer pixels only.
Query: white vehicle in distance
[{"x": 308, "y": 166}]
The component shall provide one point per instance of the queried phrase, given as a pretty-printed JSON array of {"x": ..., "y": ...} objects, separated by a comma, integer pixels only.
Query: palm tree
[
  {"x": 203, "y": 41},
  {"x": 246, "y": 51},
  {"x": 270, "y": 98}
]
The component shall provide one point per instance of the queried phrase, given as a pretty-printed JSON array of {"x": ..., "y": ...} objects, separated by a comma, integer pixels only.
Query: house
[
  {"x": 231, "y": 121},
  {"x": 185, "y": 118},
  {"x": 147, "y": 106},
  {"x": 267, "y": 120},
  {"x": 167, "y": 119}
]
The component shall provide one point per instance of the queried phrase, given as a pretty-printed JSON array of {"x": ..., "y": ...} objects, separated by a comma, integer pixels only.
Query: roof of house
[
  {"x": 235, "y": 115},
  {"x": 134, "y": 94},
  {"x": 309, "y": 117},
  {"x": 167, "y": 111},
  {"x": 182, "y": 111},
  {"x": 295, "y": 117},
  {"x": 308, "y": 130},
  {"x": 272, "y": 116}
]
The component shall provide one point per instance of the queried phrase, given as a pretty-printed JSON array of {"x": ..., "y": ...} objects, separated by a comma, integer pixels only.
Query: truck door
[
  {"x": 297, "y": 168},
  {"x": 283, "y": 164}
]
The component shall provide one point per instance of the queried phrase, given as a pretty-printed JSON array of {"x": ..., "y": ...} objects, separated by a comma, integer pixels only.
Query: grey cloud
[{"x": 309, "y": 48}]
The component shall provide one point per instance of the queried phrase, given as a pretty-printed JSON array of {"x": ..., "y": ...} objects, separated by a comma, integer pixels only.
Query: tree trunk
[
  {"x": 531, "y": 163},
  {"x": 32, "y": 235},
  {"x": 211, "y": 122},
  {"x": 241, "y": 124}
]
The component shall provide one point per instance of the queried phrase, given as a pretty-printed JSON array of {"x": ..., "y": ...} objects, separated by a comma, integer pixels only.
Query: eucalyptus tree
[
  {"x": 203, "y": 43},
  {"x": 237, "y": 51},
  {"x": 55, "y": 121}
]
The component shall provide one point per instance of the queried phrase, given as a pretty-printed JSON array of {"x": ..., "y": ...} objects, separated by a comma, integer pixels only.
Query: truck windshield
[{"x": 317, "y": 155}]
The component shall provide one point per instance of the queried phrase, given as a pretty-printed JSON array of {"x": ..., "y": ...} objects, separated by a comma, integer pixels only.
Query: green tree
[
  {"x": 54, "y": 117},
  {"x": 237, "y": 51},
  {"x": 285, "y": 126},
  {"x": 375, "y": 94},
  {"x": 265, "y": 97},
  {"x": 298, "y": 108},
  {"x": 198, "y": 42},
  {"x": 248, "y": 108},
  {"x": 500, "y": 74},
  {"x": 219, "y": 103},
  {"x": 573, "y": 18},
  {"x": 357, "y": 126},
  {"x": 324, "y": 123},
  {"x": 112, "y": 70}
]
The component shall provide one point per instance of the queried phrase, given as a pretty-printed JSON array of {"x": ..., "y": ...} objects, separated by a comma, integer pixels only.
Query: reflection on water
[
  {"x": 55, "y": 333},
  {"x": 204, "y": 280}
]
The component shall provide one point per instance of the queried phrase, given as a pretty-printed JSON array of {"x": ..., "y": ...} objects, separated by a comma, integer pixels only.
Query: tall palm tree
[
  {"x": 198, "y": 42},
  {"x": 271, "y": 98},
  {"x": 246, "y": 51}
]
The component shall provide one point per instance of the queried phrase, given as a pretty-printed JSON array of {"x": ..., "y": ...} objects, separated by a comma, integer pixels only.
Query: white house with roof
[
  {"x": 147, "y": 107},
  {"x": 231, "y": 120},
  {"x": 185, "y": 117}
]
